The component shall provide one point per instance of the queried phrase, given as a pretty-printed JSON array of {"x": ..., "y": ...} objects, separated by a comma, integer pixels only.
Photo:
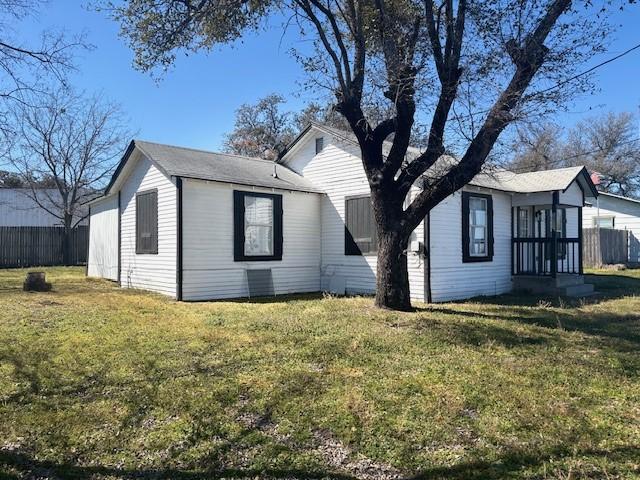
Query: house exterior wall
[
  {"x": 102, "y": 258},
  {"x": 627, "y": 217},
  {"x": 451, "y": 278},
  {"x": 18, "y": 209},
  {"x": 209, "y": 269},
  {"x": 338, "y": 171},
  {"x": 155, "y": 272}
]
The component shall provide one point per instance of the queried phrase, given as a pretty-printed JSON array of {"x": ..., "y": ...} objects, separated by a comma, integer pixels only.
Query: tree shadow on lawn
[
  {"x": 619, "y": 331},
  {"x": 25, "y": 464},
  {"x": 506, "y": 466}
]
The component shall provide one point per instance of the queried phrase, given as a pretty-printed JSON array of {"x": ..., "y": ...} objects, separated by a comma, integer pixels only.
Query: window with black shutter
[
  {"x": 477, "y": 227},
  {"x": 319, "y": 144},
  {"x": 257, "y": 226},
  {"x": 360, "y": 237},
  {"x": 147, "y": 222}
]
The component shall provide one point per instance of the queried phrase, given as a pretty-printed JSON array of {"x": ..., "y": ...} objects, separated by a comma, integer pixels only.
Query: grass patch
[{"x": 103, "y": 383}]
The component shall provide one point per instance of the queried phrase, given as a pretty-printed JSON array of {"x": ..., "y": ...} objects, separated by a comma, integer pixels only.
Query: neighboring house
[
  {"x": 617, "y": 212},
  {"x": 19, "y": 209},
  {"x": 199, "y": 225}
]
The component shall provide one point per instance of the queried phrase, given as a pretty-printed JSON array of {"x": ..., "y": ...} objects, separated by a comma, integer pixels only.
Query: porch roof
[{"x": 558, "y": 179}]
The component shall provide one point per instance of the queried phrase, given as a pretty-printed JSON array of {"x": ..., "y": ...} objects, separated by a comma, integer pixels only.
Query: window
[
  {"x": 477, "y": 227},
  {"x": 319, "y": 144},
  {"x": 257, "y": 226},
  {"x": 524, "y": 223},
  {"x": 604, "y": 222},
  {"x": 147, "y": 222},
  {"x": 360, "y": 235}
]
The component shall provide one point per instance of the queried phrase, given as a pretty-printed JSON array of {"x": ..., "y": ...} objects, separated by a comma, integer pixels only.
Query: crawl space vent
[{"x": 260, "y": 283}]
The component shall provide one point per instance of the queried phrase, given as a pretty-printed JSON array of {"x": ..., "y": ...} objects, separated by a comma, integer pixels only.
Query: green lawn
[{"x": 102, "y": 383}]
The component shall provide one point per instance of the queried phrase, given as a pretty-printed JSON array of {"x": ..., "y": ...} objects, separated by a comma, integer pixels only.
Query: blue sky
[{"x": 194, "y": 103}]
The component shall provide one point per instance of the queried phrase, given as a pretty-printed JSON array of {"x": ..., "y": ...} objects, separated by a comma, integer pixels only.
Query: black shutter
[
  {"x": 277, "y": 227},
  {"x": 489, "y": 227},
  {"x": 238, "y": 225},
  {"x": 466, "y": 257},
  {"x": 361, "y": 236},
  {"x": 147, "y": 222}
]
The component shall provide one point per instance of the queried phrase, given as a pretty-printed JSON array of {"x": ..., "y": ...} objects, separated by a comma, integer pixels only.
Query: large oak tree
[{"x": 468, "y": 68}]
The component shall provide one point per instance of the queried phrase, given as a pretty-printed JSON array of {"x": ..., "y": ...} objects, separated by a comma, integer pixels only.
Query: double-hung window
[
  {"x": 257, "y": 226},
  {"x": 477, "y": 227},
  {"x": 524, "y": 223},
  {"x": 604, "y": 222}
]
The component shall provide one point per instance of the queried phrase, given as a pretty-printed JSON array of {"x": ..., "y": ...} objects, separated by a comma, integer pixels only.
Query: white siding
[
  {"x": 18, "y": 209},
  {"x": 338, "y": 171},
  {"x": 209, "y": 270},
  {"x": 156, "y": 272},
  {"x": 627, "y": 217},
  {"x": 451, "y": 279},
  {"x": 103, "y": 239},
  {"x": 572, "y": 196}
]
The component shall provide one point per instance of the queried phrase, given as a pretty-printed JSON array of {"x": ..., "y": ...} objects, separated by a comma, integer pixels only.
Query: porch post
[
  {"x": 513, "y": 236},
  {"x": 580, "y": 268},
  {"x": 554, "y": 233}
]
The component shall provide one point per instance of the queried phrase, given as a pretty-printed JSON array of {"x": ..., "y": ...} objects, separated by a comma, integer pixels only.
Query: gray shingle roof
[
  {"x": 530, "y": 182},
  {"x": 223, "y": 167}
]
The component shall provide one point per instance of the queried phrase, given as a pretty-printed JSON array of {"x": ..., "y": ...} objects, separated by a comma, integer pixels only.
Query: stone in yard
[{"x": 36, "y": 282}]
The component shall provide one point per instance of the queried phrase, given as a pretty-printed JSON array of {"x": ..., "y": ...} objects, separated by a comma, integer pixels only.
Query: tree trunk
[
  {"x": 392, "y": 280},
  {"x": 66, "y": 241}
]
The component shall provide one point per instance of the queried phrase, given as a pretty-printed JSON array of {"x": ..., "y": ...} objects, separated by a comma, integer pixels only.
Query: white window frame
[
  {"x": 473, "y": 226},
  {"x": 269, "y": 224}
]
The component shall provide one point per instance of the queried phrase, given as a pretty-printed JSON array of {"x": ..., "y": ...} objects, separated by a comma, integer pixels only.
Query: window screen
[
  {"x": 147, "y": 222},
  {"x": 258, "y": 226}
]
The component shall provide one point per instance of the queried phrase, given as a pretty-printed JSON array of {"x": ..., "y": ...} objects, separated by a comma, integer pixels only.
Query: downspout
[{"x": 427, "y": 257}]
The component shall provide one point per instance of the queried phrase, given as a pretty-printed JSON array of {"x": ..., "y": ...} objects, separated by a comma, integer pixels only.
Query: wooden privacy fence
[
  {"x": 604, "y": 246},
  {"x": 41, "y": 246}
]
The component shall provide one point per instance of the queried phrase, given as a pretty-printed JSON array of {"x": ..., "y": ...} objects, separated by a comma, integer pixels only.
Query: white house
[
  {"x": 621, "y": 213},
  {"x": 200, "y": 225}
]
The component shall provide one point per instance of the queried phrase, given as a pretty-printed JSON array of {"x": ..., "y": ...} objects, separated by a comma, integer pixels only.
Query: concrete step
[
  {"x": 583, "y": 290},
  {"x": 564, "y": 280}
]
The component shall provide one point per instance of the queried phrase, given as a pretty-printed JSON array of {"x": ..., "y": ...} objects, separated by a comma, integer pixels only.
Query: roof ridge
[{"x": 244, "y": 157}]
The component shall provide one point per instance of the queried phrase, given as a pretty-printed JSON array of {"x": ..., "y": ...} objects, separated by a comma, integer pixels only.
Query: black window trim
[
  {"x": 238, "y": 227},
  {"x": 349, "y": 242},
  {"x": 139, "y": 250},
  {"x": 466, "y": 254}
]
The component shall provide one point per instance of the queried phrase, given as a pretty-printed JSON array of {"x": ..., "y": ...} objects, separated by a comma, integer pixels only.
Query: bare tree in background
[
  {"x": 467, "y": 68},
  {"x": 608, "y": 145},
  {"x": 538, "y": 146},
  {"x": 29, "y": 65},
  {"x": 70, "y": 143}
]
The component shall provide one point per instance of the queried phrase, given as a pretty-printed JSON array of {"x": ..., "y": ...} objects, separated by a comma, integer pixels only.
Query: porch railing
[{"x": 535, "y": 256}]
